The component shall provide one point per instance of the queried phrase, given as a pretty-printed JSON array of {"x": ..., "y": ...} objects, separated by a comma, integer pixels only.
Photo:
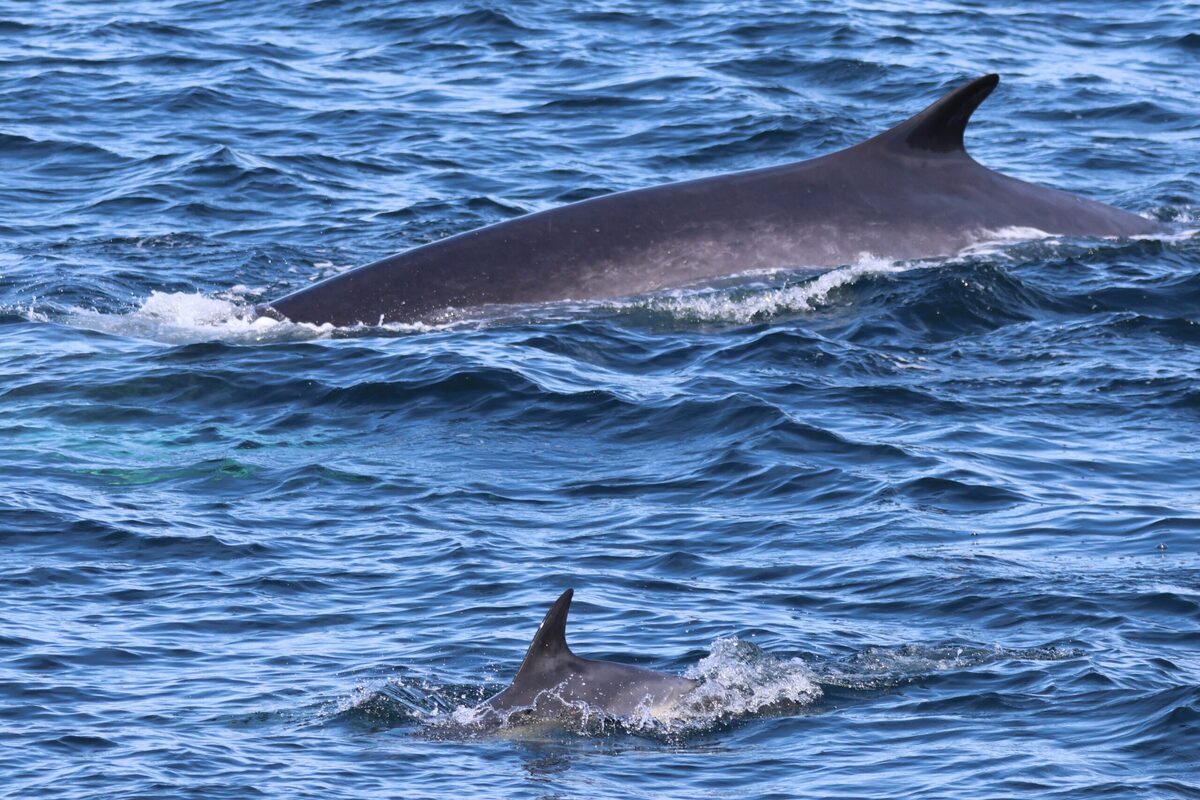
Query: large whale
[
  {"x": 910, "y": 192},
  {"x": 553, "y": 682}
]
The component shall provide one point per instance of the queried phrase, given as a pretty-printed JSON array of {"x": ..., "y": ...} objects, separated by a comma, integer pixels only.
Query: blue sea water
[{"x": 924, "y": 530}]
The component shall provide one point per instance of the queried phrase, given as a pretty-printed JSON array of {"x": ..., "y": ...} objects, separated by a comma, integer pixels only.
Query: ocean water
[{"x": 923, "y": 529}]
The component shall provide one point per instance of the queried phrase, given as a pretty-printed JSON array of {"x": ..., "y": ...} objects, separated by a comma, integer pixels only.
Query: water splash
[
  {"x": 737, "y": 679},
  {"x": 399, "y": 701},
  {"x": 186, "y": 318},
  {"x": 745, "y": 304},
  {"x": 191, "y": 317},
  {"x": 887, "y": 667},
  {"x": 1004, "y": 242}
]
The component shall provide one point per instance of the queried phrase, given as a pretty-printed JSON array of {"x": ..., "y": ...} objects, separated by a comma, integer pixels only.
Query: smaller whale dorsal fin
[
  {"x": 549, "y": 644},
  {"x": 940, "y": 127}
]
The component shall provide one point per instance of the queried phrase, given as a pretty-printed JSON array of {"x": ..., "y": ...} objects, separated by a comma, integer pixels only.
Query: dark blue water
[{"x": 924, "y": 529}]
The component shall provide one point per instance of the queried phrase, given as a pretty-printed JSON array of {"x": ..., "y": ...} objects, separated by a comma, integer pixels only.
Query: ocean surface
[{"x": 923, "y": 529}]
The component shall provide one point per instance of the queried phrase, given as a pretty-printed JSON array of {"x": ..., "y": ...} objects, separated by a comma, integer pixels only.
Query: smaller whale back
[{"x": 553, "y": 681}]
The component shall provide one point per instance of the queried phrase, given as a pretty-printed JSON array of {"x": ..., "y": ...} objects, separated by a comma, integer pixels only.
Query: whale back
[{"x": 553, "y": 681}]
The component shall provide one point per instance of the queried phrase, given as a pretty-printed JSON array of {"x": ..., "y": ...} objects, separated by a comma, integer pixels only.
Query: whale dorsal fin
[
  {"x": 549, "y": 645},
  {"x": 939, "y": 128}
]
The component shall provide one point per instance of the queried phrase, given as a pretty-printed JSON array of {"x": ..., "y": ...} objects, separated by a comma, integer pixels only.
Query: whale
[
  {"x": 554, "y": 683},
  {"x": 910, "y": 192}
]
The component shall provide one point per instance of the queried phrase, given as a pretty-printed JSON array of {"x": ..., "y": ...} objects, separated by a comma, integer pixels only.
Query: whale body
[
  {"x": 911, "y": 192},
  {"x": 553, "y": 682}
]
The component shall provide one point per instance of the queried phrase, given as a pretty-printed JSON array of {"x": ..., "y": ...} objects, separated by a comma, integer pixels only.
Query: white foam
[
  {"x": 361, "y": 695},
  {"x": 999, "y": 242},
  {"x": 227, "y": 316},
  {"x": 738, "y": 678},
  {"x": 1184, "y": 215},
  {"x": 724, "y": 306},
  {"x": 1181, "y": 235},
  {"x": 884, "y": 667},
  {"x": 184, "y": 318}
]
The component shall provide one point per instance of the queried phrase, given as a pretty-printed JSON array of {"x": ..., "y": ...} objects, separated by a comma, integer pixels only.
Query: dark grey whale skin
[
  {"x": 554, "y": 682},
  {"x": 910, "y": 192}
]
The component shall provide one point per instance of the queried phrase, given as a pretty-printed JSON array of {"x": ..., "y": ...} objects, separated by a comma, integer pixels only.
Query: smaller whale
[{"x": 553, "y": 682}]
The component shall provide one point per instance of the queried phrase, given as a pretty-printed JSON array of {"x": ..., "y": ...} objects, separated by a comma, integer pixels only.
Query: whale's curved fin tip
[
  {"x": 550, "y": 642},
  {"x": 940, "y": 127}
]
